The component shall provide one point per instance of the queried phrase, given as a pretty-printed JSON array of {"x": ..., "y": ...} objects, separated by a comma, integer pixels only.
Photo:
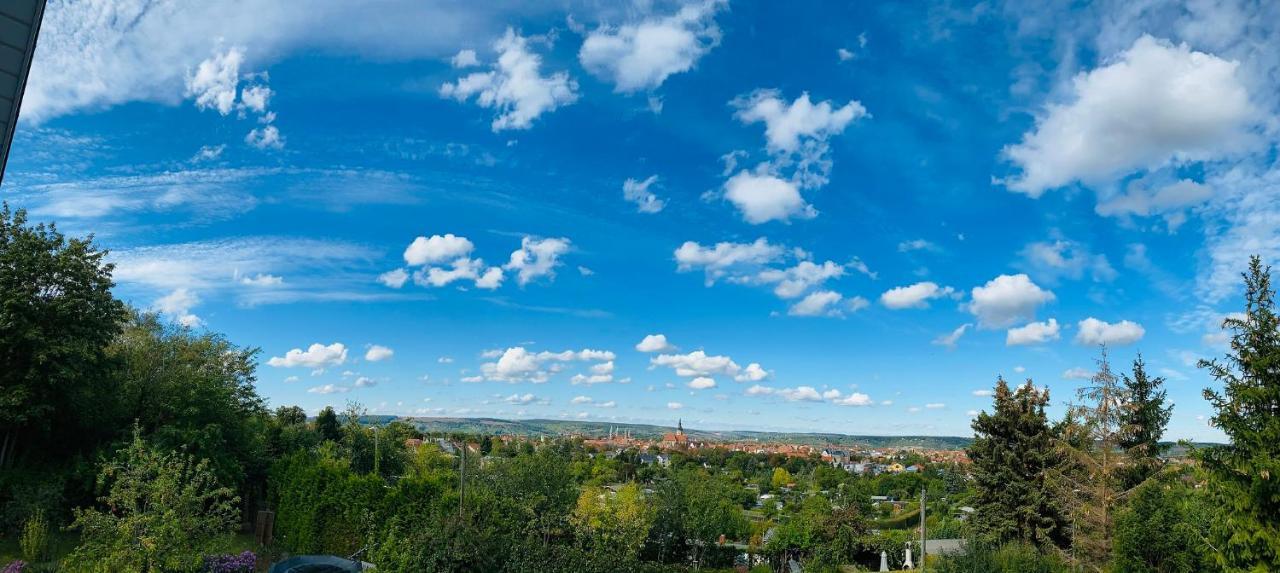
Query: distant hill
[{"x": 552, "y": 428}]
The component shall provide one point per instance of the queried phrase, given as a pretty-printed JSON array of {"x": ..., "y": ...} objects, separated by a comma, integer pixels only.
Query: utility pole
[
  {"x": 923, "y": 537},
  {"x": 462, "y": 476}
]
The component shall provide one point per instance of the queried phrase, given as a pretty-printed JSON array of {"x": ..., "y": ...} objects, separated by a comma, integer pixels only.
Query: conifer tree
[
  {"x": 1143, "y": 420},
  {"x": 1091, "y": 480},
  {"x": 1244, "y": 475},
  {"x": 1014, "y": 457}
]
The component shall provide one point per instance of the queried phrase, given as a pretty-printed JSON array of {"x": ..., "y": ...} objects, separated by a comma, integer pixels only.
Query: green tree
[
  {"x": 1163, "y": 527},
  {"x": 1091, "y": 481},
  {"x": 57, "y": 315},
  {"x": 1143, "y": 419},
  {"x": 612, "y": 527},
  {"x": 161, "y": 512},
  {"x": 781, "y": 478},
  {"x": 1242, "y": 474},
  {"x": 327, "y": 425},
  {"x": 1013, "y": 455}
]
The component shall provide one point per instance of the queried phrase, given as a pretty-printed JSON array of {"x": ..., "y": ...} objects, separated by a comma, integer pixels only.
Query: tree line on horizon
[{"x": 147, "y": 444}]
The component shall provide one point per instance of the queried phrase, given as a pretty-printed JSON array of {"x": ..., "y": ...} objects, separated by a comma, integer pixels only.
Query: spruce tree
[
  {"x": 1091, "y": 480},
  {"x": 1244, "y": 475},
  {"x": 1143, "y": 419},
  {"x": 1014, "y": 457}
]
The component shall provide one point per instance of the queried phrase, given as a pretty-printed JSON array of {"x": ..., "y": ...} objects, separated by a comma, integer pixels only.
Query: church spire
[{"x": 679, "y": 426}]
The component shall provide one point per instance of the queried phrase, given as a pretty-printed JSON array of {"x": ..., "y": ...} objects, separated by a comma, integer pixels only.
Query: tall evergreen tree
[
  {"x": 1143, "y": 419},
  {"x": 1092, "y": 477},
  {"x": 1245, "y": 474},
  {"x": 1013, "y": 457}
]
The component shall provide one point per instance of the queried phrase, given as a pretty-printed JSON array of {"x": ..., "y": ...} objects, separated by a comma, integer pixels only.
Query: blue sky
[{"x": 838, "y": 218}]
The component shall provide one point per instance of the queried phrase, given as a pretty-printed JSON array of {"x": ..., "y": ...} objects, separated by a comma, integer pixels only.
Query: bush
[
  {"x": 1011, "y": 558},
  {"x": 35, "y": 538}
]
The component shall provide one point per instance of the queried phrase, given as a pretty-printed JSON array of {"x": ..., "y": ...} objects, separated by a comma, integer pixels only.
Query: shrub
[
  {"x": 1010, "y": 558},
  {"x": 35, "y": 538},
  {"x": 18, "y": 566}
]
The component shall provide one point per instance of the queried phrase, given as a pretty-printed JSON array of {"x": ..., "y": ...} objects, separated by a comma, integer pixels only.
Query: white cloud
[
  {"x": 582, "y": 400},
  {"x": 915, "y": 296},
  {"x": 819, "y": 303},
  {"x": 1077, "y": 373},
  {"x": 796, "y": 280},
  {"x": 536, "y": 258},
  {"x": 262, "y": 280},
  {"x": 265, "y": 137},
  {"x": 1153, "y": 105},
  {"x": 916, "y": 245},
  {"x": 315, "y": 356},
  {"x": 514, "y": 87},
  {"x": 844, "y": 54},
  {"x": 752, "y": 373},
  {"x": 1093, "y": 331},
  {"x": 445, "y": 360},
  {"x": 394, "y": 278},
  {"x": 208, "y": 153},
  {"x": 378, "y": 353},
  {"x": 255, "y": 98},
  {"x": 724, "y": 257},
  {"x": 521, "y": 399},
  {"x": 788, "y": 125},
  {"x": 328, "y": 389},
  {"x": 464, "y": 59},
  {"x": 1033, "y": 333},
  {"x": 177, "y": 305},
  {"x": 764, "y": 197},
  {"x": 674, "y": 405},
  {"x": 437, "y": 249},
  {"x": 950, "y": 340},
  {"x": 1170, "y": 201},
  {"x": 655, "y": 343},
  {"x": 642, "y": 55},
  {"x": 638, "y": 192},
  {"x": 517, "y": 364},
  {"x": 1054, "y": 260},
  {"x": 758, "y": 390},
  {"x": 213, "y": 84},
  {"x": 459, "y": 270},
  {"x": 365, "y": 382},
  {"x": 1007, "y": 299},
  {"x": 983, "y": 393},
  {"x": 702, "y": 383},
  {"x": 935, "y": 406},
  {"x": 854, "y": 399},
  {"x": 800, "y": 394},
  {"x": 697, "y": 363}
]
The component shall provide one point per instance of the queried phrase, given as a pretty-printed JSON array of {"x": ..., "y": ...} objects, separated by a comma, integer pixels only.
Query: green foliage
[
  {"x": 1010, "y": 558},
  {"x": 1242, "y": 474},
  {"x": 1142, "y": 423},
  {"x": 161, "y": 512},
  {"x": 1163, "y": 528},
  {"x": 322, "y": 505},
  {"x": 35, "y": 538},
  {"x": 56, "y": 316},
  {"x": 327, "y": 425},
  {"x": 1012, "y": 453},
  {"x": 612, "y": 527},
  {"x": 781, "y": 478}
]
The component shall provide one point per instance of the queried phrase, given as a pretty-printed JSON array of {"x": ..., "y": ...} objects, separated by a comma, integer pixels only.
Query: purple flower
[
  {"x": 15, "y": 567},
  {"x": 242, "y": 563}
]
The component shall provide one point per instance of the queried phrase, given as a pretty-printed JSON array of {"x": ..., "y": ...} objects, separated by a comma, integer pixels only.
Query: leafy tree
[
  {"x": 194, "y": 392},
  {"x": 327, "y": 425},
  {"x": 1163, "y": 527},
  {"x": 781, "y": 477},
  {"x": 1242, "y": 474},
  {"x": 612, "y": 528},
  {"x": 161, "y": 512},
  {"x": 1013, "y": 455},
  {"x": 57, "y": 315},
  {"x": 290, "y": 415},
  {"x": 1143, "y": 420}
]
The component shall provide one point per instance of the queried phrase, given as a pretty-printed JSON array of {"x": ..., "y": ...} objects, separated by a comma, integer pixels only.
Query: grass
[{"x": 60, "y": 544}]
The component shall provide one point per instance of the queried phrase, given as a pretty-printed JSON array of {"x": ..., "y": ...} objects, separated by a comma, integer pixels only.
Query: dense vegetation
[{"x": 146, "y": 446}]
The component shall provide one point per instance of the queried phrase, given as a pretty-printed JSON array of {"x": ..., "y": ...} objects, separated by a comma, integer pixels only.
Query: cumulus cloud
[
  {"x": 853, "y": 399},
  {"x": 214, "y": 82},
  {"x": 1006, "y": 299},
  {"x": 702, "y": 383},
  {"x": 1093, "y": 331},
  {"x": 950, "y": 340},
  {"x": 514, "y": 86},
  {"x": 636, "y": 191},
  {"x": 826, "y": 303},
  {"x": 177, "y": 305},
  {"x": 1155, "y": 104},
  {"x": 1032, "y": 333},
  {"x": 1077, "y": 373},
  {"x": 642, "y": 55},
  {"x": 394, "y": 278},
  {"x": 914, "y": 296},
  {"x": 723, "y": 258},
  {"x": 437, "y": 249},
  {"x": 328, "y": 389},
  {"x": 800, "y": 394},
  {"x": 518, "y": 364},
  {"x": 378, "y": 353},
  {"x": 1169, "y": 201},
  {"x": 464, "y": 59},
  {"x": 265, "y": 137},
  {"x": 697, "y": 363},
  {"x": 521, "y": 399},
  {"x": 797, "y": 143},
  {"x": 752, "y": 373},
  {"x": 655, "y": 343},
  {"x": 315, "y": 356},
  {"x": 536, "y": 258}
]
